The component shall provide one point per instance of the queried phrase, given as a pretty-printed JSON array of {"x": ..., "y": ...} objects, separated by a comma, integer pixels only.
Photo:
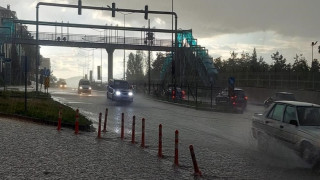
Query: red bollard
[
  {"x": 99, "y": 127},
  {"x": 133, "y": 129},
  {"x": 176, "y": 150},
  {"x": 160, "y": 142},
  {"x": 142, "y": 137},
  {"x": 59, "y": 119},
  {"x": 122, "y": 126},
  {"x": 76, "y": 129},
  {"x": 197, "y": 172},
  {"x": 105, "y": 121}
]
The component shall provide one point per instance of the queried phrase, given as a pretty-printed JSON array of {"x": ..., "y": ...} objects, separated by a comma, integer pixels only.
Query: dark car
[
  {"x": 119, "y": 90},
  {"x": 62, "y": 83},
  {"x": 84, "y": 86},
  {"x": 294, "y": 124},
  {"x": 237, "y": 101},
  {"x": 279, "y": 96}
]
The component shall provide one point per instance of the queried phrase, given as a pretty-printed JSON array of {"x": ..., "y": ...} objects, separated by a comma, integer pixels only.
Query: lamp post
[
  {"x": 124, "y": 42},
  {"x": 100, "y": 53},
  {"x": 312, "y": 44}
]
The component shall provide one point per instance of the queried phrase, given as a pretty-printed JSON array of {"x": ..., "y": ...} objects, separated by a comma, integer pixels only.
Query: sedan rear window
[{"x": 309, "y": 116}]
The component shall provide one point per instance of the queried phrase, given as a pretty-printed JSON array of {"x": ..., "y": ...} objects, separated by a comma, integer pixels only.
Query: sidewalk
[{"x": 35, "y": 151}]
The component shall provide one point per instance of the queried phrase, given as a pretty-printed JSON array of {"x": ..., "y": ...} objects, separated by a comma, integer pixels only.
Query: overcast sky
[{"x": 222, "y": 26}]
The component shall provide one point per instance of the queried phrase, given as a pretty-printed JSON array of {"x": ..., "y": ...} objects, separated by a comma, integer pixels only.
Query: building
[{"x": 12, "y": 55}]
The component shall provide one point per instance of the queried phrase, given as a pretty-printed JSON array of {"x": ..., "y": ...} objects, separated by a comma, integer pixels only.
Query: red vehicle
[
  {"x": 238, "y": 101},
  {"x": 176, "y": 93}
]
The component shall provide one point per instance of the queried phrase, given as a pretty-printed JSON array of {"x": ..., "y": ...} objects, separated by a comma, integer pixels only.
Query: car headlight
[
  {"x": 89, "y": 88},
  {"x": 118, "y": 93},
  {"x": 80, "y": 87},
  {"x": 130, "y": 94}
]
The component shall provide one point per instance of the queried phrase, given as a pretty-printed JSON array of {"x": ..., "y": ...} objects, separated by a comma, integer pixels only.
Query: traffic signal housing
[
  {"x": 79, "y": 7},
  {"x": 113, "y": 9},
  {"x": 146, "y": 12}
]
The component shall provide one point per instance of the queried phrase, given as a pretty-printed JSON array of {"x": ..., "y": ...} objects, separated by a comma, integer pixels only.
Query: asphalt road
[{"x": 222, "y": 141}]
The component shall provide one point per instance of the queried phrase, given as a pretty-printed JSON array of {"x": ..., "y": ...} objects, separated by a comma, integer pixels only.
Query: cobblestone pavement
[{"x": 35, "y": 151}]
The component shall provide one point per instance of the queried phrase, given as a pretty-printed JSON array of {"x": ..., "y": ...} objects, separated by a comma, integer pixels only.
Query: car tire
[{"x": 308, "y": 154}]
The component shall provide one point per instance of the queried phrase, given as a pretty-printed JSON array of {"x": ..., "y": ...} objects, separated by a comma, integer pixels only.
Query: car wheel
[{"x": 308, "y": 154}]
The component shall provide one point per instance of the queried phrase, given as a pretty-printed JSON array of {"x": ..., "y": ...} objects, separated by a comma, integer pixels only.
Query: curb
[
  {"x": 42, "y": 121},
  {"x": 182, "y": 105}
]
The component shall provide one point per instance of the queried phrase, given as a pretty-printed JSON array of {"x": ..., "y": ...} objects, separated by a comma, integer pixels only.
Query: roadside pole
[{"x": 25, "y": 83}]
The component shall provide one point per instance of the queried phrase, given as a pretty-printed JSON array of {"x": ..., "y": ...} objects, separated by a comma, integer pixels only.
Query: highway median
[{"x": 40, "y": 108}]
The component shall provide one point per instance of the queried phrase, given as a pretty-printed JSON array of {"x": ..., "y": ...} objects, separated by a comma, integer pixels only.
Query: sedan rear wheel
[{"x": 308, "y": 154}]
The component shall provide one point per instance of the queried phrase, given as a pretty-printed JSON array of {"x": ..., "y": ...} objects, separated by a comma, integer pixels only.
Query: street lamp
[
  {"x": 124, "y": 42},
  {"x": 313, "y": 44},
  {"x": 100, "y": 54}
]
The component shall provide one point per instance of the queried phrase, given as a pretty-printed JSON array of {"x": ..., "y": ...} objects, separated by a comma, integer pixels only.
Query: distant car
[
  {"x": 279, "y": 96},
  {"x": 119, "y": 90},
  {"x": 175, "y": 93},
  {"x": 62, "y": 83},
  {"x": 84, "y": 86},
  {"x": 238, "y": 101},
  {"x": 296, "y": 124}
]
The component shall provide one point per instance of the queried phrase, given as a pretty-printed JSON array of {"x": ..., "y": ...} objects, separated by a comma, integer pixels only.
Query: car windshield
[
  {"x": 309, "y": 116},
  {"x": 121, "y": 84},
  {"x": 84, "y": 83}
]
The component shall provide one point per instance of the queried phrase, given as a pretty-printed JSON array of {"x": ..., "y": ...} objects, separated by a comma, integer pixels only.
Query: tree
[
  {"x": 254, "y": 62},
  {"x": 219, "y": 64},
  {"x": 157, "y": 65},
  {"x": 135, "y": 67},
  {"x": 315, "y": 66},
  {"x": 279, "y": 64},
  {"x": 300, "y": 64},
  {"x": 262, "y": 65}
]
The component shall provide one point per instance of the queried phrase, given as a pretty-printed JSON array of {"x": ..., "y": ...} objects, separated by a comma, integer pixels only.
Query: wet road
[{"x": 223, "y": 143}]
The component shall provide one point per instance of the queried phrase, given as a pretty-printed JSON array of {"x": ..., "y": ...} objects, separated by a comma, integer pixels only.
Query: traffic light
[
  {"x": 79, "y": 7},
  {"x": 319, "y": 49},
  {"x": 113, "y": 9},
  {"x": 146, "y": 12}
]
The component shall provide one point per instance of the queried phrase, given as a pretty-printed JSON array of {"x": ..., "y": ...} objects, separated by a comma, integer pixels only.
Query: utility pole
[{"x": 149, "y": 34}]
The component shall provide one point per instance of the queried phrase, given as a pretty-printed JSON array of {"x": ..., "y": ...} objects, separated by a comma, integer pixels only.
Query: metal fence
[{"x": 277, "y": 80}]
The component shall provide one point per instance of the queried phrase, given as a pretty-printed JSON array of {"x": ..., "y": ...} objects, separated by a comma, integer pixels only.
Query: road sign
[
  {"x": 231, "y": 81},
  {"x": 46, "y": 82},
  {"x": 47, "y": 72}
]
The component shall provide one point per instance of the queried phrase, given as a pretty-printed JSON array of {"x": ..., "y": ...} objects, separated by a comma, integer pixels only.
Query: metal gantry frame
[{"x": 104, "y": 9}]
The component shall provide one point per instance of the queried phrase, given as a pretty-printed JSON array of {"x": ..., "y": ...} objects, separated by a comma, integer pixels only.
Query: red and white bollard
[
  {"x": 197, "y": 172},
  {"x": 105, "y": 121},
  {"x": 133, "y": 129},
  {"x": 99, "y": 126},
  {"x": 76, "y": 128},
  {"x": 59, "y": 119},
  {"x": 142, "y": 136},
  {"x": 176, "y": 148},
  {"x": 122, "y": 126},
  {"x": 160, "y": 142}
]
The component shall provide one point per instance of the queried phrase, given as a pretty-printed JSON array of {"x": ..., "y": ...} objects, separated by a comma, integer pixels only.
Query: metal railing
[{"x": 46, "y": 36}]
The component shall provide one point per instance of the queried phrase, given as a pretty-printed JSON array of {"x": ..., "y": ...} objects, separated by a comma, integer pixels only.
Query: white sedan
[{"x": 296, "y": 124}]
